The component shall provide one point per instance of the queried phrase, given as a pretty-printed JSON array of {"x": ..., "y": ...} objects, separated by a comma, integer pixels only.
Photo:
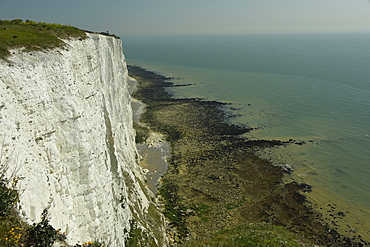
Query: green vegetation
[
  {"x": 201, "y": 210},
  {"x": 8, "y": 197},
  {"x": 12, "y": 229},
  {"x": 216, "y": 191},
  {"x": 142, "y": 133},
  {"x": 257, "y": 234},
  {"x": 172, "y": 209},
  {"x": 34, "y": 35},
  {"x": 90, "y": 244},
  {"x": 42, "y": 234},
  {"x": 14, "y": 232},
  {"x": 138, "y": 238}
]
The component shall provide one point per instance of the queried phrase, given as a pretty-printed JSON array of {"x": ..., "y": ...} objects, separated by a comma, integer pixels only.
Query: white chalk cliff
[{"x": 66, "y": 127}]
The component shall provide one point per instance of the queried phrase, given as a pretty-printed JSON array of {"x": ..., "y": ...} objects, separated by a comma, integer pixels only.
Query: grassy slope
[
  {"x": 252, "y": 234},
  {"x": 34, "y": 35}
]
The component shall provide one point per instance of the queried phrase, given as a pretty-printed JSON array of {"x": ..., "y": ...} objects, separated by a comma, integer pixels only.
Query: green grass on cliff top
[{"x": 34, "y": 35}]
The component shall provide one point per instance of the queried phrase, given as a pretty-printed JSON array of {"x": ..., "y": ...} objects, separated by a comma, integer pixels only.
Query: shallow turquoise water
[{"x": 306, "y": 87}]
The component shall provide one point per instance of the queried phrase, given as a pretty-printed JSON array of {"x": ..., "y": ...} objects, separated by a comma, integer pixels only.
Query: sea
[{"x": 314, "y": 88}]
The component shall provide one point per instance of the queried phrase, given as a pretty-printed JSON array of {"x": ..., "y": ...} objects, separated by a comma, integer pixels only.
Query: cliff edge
[{"x": 66, "y": 128}]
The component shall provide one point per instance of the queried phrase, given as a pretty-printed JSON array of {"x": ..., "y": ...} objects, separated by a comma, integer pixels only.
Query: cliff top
[{"x": 34, "y": 35}]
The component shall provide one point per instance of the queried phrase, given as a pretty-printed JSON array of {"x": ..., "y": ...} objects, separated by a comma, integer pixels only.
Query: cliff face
[{"x": 66, "y": 126}]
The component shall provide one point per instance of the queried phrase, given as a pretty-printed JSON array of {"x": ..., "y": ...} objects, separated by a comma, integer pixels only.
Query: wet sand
[
  {"x": 154, "y": 163},
  {"x": 215, "y": 180},
  {"x": 155, "y": 152}
]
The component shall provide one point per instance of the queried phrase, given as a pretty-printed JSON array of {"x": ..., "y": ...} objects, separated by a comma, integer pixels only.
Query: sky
[{"x": 141, "y": 17}]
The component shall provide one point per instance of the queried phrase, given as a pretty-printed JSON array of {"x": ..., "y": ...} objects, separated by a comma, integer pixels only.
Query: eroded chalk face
[{"x": 67, "y": 121}]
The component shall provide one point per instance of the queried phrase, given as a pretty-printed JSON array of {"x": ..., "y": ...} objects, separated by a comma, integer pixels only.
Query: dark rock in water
[{"x": 341, "y": 214}]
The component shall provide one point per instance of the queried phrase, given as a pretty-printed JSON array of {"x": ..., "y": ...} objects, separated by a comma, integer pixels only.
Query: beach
[{"x": 216, "y": 178}]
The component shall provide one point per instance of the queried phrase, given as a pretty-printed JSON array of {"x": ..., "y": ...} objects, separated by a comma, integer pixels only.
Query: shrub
[
  {"x": 16, "y": 21},
  {"x": 8, "y": 194},
  {"x": 142, "y": 133},
  {"x": 42, "y": 234},
  {"x": 90, "y": 244},
  {"x": 8, "y": 198}
]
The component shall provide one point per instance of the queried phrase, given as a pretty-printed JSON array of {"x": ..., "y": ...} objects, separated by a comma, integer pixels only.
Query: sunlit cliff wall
[{"x": 66, "y": 127}]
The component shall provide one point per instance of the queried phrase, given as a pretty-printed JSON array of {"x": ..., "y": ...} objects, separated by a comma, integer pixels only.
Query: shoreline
[
  {"x": 345, "y": 216},
  {"x": 154, "y": 151},
  {"x": 210, "y": 161}
]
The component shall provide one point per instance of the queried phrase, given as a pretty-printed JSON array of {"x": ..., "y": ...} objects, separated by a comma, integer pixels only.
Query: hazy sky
[{"x": 126, "y": 17}]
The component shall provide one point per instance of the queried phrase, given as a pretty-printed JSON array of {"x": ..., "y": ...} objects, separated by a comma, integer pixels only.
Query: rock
[{"x": 68, "y": 122}]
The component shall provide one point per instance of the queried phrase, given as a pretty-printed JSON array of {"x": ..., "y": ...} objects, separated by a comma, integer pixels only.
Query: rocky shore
[{"x": 215, "y": 180}]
